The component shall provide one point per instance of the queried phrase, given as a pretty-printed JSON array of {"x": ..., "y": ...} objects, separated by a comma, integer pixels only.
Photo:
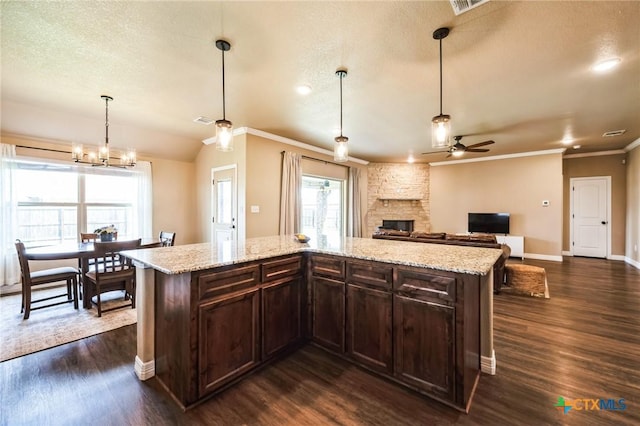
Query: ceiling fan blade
[
  {"x": 476, "y": 145},
  {"x": 477, "y": 150},
  {"x": 433, "y": 152}
]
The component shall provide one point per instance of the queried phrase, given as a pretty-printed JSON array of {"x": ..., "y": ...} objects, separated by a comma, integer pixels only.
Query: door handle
[
  {"x": 604, "y": 222},
  {"x": 233, "y": 227}
]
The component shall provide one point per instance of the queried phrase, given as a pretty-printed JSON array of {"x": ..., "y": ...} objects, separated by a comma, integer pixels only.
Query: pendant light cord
[
  {"x": 223, "y": 92},
  {"x": 341, "y": 76},
  {"x": 440, "y": 76}
]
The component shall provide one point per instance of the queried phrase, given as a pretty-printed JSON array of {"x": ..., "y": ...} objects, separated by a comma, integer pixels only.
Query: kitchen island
[{"x": 418, "y": 314}]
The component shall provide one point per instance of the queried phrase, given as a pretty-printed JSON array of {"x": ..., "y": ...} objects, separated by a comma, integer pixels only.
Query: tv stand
[{"x": 515, "y": 243}]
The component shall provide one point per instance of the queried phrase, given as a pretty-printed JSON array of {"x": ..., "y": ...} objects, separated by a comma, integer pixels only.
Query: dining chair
[
  {"x": 32, "y": 279},
  {"x": 168, "y": 239},
  {"x": 111, "y": 272},
  {"x": 89, "y": 237}
]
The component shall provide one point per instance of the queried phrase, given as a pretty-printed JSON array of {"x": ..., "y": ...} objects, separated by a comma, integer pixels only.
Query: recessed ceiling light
[
  {"x": 577, "y": 147},
  {"x": 410, "y": 159},
  {"x": 606, "y": 65},
  {"x": 303, "y": 89}
]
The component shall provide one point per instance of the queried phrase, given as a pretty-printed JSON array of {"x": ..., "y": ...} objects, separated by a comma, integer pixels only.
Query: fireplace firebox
[{"x": 399, "y": 225}]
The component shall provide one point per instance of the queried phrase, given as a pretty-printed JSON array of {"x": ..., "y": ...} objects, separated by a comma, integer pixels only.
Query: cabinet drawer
[
  {"x": 370, "y": 274},
  {"x": 425, "y": 286},
  {"x": 276, "y": 269},
  {"x": 327, "y": 266},
  {"x": 227, "y": 280}
]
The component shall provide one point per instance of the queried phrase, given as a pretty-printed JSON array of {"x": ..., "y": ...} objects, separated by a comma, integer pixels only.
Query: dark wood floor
[{"x": 584, "y": 342}]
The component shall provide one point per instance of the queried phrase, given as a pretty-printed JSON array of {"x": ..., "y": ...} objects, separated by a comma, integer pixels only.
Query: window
[
  {"x": 323, "y": 203},
  {"x": 56, "y": 201}
]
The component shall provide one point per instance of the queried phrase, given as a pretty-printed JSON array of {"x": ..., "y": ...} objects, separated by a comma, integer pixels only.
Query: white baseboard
[
  {"x": 632, "y": 262},
  {"x": 567, "y": 253},
  {"x": 616, "y": 257},
  {"x": 145, "y": 370},
  {"x": 543, "y": 257},
  {"x": 488, "y": 364}
]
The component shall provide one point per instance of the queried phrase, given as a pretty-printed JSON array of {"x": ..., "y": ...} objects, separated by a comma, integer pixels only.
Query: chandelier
[{"x": 102, "y": 156}]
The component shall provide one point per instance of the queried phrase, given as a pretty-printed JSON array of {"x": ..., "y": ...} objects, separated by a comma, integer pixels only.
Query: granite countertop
[{"x": 196, "y": 257}]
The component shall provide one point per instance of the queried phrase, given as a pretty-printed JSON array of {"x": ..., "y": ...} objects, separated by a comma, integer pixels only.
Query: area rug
[
  {"x": 56, "y": 325},
  {"x": 525, "y": 280}
]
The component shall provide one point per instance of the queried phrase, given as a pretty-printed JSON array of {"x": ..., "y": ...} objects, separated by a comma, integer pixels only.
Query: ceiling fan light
[
  {"x": 457, "y": 153},
  {"x": 224, "y": 135},
  {"x": 441, "y": 131}
]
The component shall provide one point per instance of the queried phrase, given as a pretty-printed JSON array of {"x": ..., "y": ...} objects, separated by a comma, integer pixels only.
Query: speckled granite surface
[{"x": 195, "y": 257}]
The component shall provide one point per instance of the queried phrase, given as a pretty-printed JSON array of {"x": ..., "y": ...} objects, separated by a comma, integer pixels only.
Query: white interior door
[
  {"x": 590, "y": 200},
  {"x": 224, "y": 204}
]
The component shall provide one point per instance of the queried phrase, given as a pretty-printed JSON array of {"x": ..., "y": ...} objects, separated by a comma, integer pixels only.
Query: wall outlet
[
  {"x": 545, "y": 203},
  {"x": 255, "y": 209}
]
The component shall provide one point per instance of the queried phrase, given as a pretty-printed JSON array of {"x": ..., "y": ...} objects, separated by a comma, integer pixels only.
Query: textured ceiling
[{"x": 515, "y": 72}]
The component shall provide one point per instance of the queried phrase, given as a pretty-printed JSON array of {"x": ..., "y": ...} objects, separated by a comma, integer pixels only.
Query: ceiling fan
[{"x": 459, "y": 148}]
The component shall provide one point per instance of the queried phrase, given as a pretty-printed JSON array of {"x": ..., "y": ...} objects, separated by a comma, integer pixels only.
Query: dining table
[{"x": 81, "y": 251}]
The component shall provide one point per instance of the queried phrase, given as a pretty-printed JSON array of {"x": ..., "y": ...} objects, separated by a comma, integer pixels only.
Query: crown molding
[
  {"x": 500, "y": 157},
  {"x": 595, "y": 154},
  {"x": 282, "y": 139},
  {"x": 632, "y": 145}
]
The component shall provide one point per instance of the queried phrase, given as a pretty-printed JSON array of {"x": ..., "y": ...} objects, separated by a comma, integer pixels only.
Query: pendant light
[
  {"x": 224, "y": 128},
  {"x": 341, "y": 149},
  {"x": 101, "y": 158},
  {"x": 441, "y": 124}
]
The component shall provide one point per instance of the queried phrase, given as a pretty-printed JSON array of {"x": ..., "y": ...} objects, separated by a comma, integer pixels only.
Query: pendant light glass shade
[
  {"x": 224, "y": 135},
  {"x": 441, "y": 131},
  {"x": 224, "y": 128},
  {"x": 341, "y": 148},
  {"x": 441, "y": 124}
]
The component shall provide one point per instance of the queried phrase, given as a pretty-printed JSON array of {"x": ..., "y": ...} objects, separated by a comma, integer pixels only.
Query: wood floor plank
[{"x": 583, "y": 342}]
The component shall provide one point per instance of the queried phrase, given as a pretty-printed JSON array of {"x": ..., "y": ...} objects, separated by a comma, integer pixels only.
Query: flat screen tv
[{"x": 489, "y": 223}]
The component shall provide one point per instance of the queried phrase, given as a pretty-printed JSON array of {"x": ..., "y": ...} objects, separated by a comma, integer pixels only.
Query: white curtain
[
  {"x": 355, "y": 219},
  {"x": 9, "y": 267},
  {"x": 290, "y": 193},
  {"x": 145, "y": 198}
]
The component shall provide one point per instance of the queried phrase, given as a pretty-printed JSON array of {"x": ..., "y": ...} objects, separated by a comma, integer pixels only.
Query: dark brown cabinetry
[
  {"x": 282, "y": 305},
  {"x": 216, "y": 325},
  {"x": 416, "y": 326},
  {"x": 424, "y": 345},
  {"x": 328, "y": 302},
  {"x": 228, "y": 344},
  {"x": 369, "y": 308}
]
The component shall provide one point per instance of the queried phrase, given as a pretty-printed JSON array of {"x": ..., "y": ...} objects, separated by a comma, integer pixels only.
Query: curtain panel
[
  {"x": 355, "y": 218},
  {"x": 290, "y": 193},
  {"x": 9, "y": 266}
]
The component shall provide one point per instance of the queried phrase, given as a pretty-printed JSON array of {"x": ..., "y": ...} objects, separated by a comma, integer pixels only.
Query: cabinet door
[
  {"x": 369, "y": 327},
  {"x": 328, "y": 313},
  {"x": 424, "y": 345},
  {"x": 281, "y": 307},
  {"x": 229, "y": 339}
]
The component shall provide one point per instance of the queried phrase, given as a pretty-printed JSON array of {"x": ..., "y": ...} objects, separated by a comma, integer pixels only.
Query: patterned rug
[{"x": 56, "y": 325}]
